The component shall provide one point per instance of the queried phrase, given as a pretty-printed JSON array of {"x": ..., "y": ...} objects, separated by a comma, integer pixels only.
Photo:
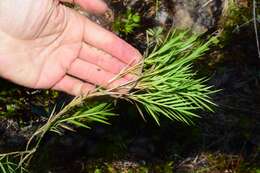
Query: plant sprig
[
  {"x": 98, "y": 112},
  {"x": 167, "y": 86}
]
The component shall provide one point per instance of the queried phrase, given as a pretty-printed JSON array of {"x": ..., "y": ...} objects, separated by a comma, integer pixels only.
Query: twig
[
  {"x": 255, "y": 26},
  {"x": 206, "y": 4}
]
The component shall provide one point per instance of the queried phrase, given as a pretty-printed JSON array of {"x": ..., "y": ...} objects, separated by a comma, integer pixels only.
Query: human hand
[{"x": 44, "y": 44}]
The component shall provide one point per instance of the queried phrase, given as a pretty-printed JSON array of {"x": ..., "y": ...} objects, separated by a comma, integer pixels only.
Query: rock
[
  {"x": 197, "y": 15},
  {"x": 13, "y": 136},
  {"x": 9, "y": 135}
]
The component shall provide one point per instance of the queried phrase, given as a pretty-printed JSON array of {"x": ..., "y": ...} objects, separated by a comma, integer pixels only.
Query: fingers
[
  {"x": 103, "y": 60},
  {"x": 108, "y": 42},
  {"x": 73, "y": 86},
  {"x": 94, "y": 74},
  {"x": 94, "y": 6}
]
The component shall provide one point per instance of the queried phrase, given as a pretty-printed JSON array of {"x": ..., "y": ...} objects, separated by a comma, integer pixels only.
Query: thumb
[{"x": 92, "y": 6}]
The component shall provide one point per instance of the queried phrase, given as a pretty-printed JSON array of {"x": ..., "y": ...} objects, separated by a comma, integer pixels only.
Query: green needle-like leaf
[{"x": 169, "y": 86}]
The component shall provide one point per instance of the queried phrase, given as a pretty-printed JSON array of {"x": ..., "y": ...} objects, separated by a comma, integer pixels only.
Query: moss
[
  {"x": 111, "y": 167},
  {"x": 235, "y": 15},
  {"x": 226, "y": 162}
]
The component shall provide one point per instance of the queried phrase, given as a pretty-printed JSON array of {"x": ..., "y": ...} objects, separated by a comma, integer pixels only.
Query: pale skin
[{"x": 45, "y": 45}]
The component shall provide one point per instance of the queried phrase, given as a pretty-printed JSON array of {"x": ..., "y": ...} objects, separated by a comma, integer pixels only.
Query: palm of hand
[{"x": 46, "y": 45}]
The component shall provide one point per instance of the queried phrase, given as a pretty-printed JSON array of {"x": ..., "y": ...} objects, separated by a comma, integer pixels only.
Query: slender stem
[{"x": 255, "y": 26}]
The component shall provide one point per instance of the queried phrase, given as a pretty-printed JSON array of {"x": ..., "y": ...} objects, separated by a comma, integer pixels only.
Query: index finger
[{"x": 107, "y": 41}]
